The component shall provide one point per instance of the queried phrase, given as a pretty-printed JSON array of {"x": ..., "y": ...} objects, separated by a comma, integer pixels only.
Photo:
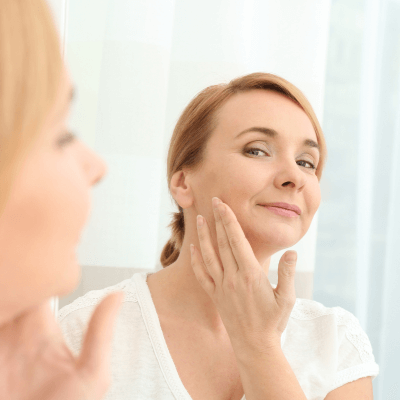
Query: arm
[
  {"x": 361, "y": 389},
  {"x": 268, "y": 375}
]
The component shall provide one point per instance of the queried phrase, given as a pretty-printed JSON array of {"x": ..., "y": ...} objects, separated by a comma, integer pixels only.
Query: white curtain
[
  {"x": 357, "y": 257},
  {"x": 136, "y": 64}
]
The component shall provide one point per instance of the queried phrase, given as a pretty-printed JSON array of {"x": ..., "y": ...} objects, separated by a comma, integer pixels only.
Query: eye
[
  {"x": 255, "y": 150},
  {"x": 312, "y": 166},
  {"x": 67, "y": 138}
]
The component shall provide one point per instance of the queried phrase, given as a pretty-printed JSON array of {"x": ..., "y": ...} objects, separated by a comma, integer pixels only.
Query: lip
[{"x": 285, "y": 206}]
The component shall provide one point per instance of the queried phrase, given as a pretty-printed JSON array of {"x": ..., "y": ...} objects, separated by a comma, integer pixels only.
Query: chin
[{"x": 276, "y": 237}]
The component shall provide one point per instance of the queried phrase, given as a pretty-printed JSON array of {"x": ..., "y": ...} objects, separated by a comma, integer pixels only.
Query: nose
[
  {"x": 94, "y": 166},
  {"x": 289, "y": 175}
]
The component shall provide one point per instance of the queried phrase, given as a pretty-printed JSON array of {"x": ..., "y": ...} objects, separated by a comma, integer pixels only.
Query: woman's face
[
  {"x": 262, "y": 150},
  {"x": 49, "y": 204}
]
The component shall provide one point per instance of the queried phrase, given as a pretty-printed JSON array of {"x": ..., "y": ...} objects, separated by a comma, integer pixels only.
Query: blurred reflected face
[
  {"x": 264, "y": 150},
  {"x": 45, "y": 214}
]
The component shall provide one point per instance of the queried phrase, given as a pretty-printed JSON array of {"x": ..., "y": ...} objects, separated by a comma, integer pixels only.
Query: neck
[{"x": 184, "y": 297}]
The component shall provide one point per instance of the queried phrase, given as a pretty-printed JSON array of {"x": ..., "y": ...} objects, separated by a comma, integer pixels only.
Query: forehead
[{"x": 263, "y": 108}]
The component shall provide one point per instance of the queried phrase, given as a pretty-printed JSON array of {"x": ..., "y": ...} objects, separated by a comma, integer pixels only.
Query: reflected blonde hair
[
  {"x": 30, "y": 74},
  {"x": 196, "y": 124}
]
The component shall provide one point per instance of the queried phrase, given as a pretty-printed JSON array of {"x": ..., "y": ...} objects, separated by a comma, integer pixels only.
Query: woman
[
  {"x": 45, "y": 180},
  {"x": 244, "y": 165}
]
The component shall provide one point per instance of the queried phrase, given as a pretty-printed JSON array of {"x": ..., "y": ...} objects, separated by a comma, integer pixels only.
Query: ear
[{"x": 180, "y": 189}]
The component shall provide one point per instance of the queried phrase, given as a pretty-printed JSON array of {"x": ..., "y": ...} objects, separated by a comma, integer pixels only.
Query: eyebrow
[{"x": 272, "y": 133}]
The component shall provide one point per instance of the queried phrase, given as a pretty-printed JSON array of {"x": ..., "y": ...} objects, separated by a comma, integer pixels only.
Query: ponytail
[{"x": 171, "y": 250}]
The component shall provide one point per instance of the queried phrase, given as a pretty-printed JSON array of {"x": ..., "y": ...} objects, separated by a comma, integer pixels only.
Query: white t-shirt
[{"x": 326, "y": 347}]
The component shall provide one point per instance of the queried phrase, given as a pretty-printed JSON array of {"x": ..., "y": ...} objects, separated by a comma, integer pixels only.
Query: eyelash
[
  {"x": 257, "y": 149},
  {"x": 67, "y": 138}
]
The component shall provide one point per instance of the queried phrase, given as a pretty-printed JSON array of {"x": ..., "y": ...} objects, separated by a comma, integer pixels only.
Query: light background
[{"x": 136, "y": 64}]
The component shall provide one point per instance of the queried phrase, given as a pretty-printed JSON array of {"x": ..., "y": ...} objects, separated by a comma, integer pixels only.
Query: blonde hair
[
  {"x": 30, "y": 74},
  {"x": 196, "y": 125}
]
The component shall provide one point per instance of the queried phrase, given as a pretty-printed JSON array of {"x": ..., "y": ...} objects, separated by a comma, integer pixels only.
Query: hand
[
  {"x": 36, "y": 364},
  {"x": 254, "y": 314}
]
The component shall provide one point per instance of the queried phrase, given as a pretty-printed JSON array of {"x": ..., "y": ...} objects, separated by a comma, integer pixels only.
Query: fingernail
[
  {"x": 200, "y": 220},
  {"x": 291, "y": 257},
  {"x": 192, "y": 249},
  {"x": 221, "y": 208},
  {"x": 215, "y": 202}
]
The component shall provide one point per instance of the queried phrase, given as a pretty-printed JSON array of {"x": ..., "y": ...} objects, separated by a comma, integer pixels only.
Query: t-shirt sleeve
[
  {"x": 74, "y": 318},
  {"x": 355, "y": 359}
]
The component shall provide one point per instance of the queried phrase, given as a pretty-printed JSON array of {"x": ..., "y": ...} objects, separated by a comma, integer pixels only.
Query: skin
[
  {"x": 39, "y": 231},
  {"x": 223, "y": 288}
]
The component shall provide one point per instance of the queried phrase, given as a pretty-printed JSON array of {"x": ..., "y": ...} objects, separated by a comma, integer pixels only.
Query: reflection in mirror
[
  {"x": 148, "y": 60},
  {"x": 257, "y": 145}
]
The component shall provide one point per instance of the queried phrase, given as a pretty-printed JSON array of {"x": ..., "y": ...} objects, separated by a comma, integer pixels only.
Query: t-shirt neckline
[
  {"x": 156, "y": 335},
  {"x": 157, "y": 339}
]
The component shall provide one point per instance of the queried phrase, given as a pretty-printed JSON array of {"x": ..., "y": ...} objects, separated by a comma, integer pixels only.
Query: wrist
[{"x": 250, "y": 348}]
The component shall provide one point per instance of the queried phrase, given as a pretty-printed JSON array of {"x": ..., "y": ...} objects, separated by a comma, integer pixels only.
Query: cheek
[
  {"x": 56, "y": 205},
  {"x": 41, "y": 226},
  {"x": 228, "y": 181},
  {"x": 238, "y": 178},
  {"x": 69, "y": 201},
  {"x": 313, "y": 199}
]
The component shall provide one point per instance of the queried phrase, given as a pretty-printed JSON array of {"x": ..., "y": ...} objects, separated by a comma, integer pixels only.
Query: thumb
[
  {"x": 94, "y": 359},
  {"x": 285, "y": 290}
]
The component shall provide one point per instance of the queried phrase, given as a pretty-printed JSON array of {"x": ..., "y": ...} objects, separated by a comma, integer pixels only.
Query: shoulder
[
  {"x": 91, "y": 299},
  {"x": 344, "y": 324},
  {"x": 73, "y": 319},
  {"x": 339, "y": 337},
  {"x": 305, "y": 309}
]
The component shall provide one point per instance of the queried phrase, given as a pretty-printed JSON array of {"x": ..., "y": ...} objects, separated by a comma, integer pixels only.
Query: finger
[
  {"x": 229, "y": 263},
  {"x": 209, "y": 256},
  {"x": 285, "y": 291},
  {"x": 200, "y": 271},
  {"x": 94, "y": 359},
  {"x": 241, "y": 249}
]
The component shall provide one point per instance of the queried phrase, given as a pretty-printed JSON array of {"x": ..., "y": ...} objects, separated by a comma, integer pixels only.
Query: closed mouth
[{"x": 286, "y": 206}]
